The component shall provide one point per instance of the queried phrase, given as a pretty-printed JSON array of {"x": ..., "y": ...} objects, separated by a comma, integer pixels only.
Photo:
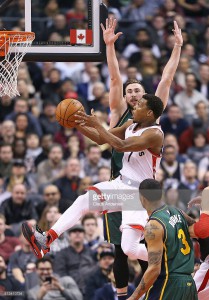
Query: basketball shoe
[{"x": 37, "y": 239}]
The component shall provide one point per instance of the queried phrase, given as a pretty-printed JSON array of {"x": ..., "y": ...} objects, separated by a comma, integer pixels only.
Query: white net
[{"x": 13, "y": 47}]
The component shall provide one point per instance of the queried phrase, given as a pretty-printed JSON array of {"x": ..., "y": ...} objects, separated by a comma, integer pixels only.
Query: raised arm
[
  {"x": 117, "y": 102},
  {"x": 170, "y": 69},
  {"x": 154, "y": 237}
]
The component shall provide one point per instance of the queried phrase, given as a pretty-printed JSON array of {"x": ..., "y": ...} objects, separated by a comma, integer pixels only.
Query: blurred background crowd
[{"x": 44, "y": 167}]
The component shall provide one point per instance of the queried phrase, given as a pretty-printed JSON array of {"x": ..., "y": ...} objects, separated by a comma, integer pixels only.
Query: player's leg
[
  {"x": 201, "y": 279},
  {"x": 40, "y": 242}
]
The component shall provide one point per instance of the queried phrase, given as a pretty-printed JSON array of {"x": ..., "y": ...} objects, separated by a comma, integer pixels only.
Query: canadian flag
[{"x": 80, "y": 36}]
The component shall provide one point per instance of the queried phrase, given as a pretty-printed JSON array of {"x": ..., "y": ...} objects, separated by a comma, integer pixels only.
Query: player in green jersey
[
  {"x": 170, "y": 250},
  {"x": 121, "y": 110}
]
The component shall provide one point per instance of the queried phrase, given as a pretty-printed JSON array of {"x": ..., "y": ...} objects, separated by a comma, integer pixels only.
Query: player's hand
[
  {"x": 109, "y": 35},
  {"x": 177, "y": 34},
  {"x": 195, "y": 202},
  {"x": 83, "y": 119}
]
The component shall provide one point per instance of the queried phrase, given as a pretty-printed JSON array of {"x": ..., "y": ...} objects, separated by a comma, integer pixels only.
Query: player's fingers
[
  {"x": 111, "y": 22},
  {"x": 102, "y": 26},
  {"x": 119, "y": 34},
  {"x": 114, "y": 24},
  {"x": 107, "y": 23}
]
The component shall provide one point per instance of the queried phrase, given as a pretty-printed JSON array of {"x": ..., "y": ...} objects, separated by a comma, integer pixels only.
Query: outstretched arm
[
  {"x": 153, "y": 234},
  {"x": 170, "y": 69},
  {"x": 117, "y": 102}
]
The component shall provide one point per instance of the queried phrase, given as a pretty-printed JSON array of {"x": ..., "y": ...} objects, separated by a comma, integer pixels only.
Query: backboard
[{"x": 66, "y": 30}]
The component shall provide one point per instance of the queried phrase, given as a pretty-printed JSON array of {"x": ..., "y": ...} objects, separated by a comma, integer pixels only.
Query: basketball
[{"x": 66, "y": 110}]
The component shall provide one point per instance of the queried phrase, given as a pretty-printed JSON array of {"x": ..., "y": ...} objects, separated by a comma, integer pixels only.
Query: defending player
[
  {"x": 170, "y": 250},
  {"x": 141, "y": 140},
  {"x": 121, "y": 110}
]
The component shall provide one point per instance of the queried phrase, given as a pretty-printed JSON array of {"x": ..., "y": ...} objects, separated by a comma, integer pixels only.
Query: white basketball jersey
[{"x": 143, "y": 164}]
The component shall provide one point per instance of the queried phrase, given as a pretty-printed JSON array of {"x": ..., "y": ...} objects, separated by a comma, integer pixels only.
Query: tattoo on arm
[
  {"x": 154, "y": 258},
  {"x": 150, "y": 231}
]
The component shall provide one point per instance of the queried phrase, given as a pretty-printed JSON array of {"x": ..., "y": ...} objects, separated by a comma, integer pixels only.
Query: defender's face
[
  {"x": 134, "y": 92},
  {"x": 140, "y": 111}
]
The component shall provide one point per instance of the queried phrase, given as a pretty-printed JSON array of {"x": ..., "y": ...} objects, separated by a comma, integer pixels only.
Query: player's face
[
  {"x": 134, "y": 92},
  {"x": 140, "y": 111}
]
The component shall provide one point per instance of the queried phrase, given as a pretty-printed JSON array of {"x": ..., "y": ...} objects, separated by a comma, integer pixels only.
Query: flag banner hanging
[{"x": 81, "y": 36}]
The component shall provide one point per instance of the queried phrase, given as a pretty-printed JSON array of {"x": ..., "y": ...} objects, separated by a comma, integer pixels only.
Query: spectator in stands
[
  {"x": 76, "y": 260},
  {"x": 188, "y": 187},
  {"x": 51, "y": 197},
  {"x": 78, "y": 12},
  {"x": 22, "y": 106},
  {"x": 50, "y": 90},
  {"x": 50, "y": 286},
  {"x": 6, "y": 156},
  {"x": 92, "y": 239},
  {"x": 51, "y": 168},
  {"x": 47, "y": 119},
  {"x": 171, "y": 167},
  {"x": 19, "y": 176},
  {"x": 19, "y": 148},
  {"x": 19, "y": 260},
  {"x": 182, "y": 70},
  {"x": 186, "y": 138},
  {"x": 199, "y": 149},
  {"x": 21, "y": 124},
  {"x": 33, "y": 150},
  {"x": 8, "y": 132},
  {"x": 203, "y": 82},
  {"x": 8, "y": 244},
  {"x": 46, "y": 143},
  {"x": 68, "y": 184},
  {"x": 9, "y": 283},
  {"x": 104, "y": 174},
  {"x": 172, "y": 198},
  {"x": 85, "y": 182},
  {"x": 93, "y": 162},
  {"x": 17, "y": 209},
  {"x": 98, "y": 276},
  {"x": 73, "y": 147},
  {"x": 85, "y": 89},
  {"x": 202, "y": 114},
  {"x": 108, "y": 291},
  {"x": 173, "y": 121},
  {"x": 188, "y": 98}
]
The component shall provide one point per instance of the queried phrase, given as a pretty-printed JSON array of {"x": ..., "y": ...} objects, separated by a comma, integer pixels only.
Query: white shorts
[
  {"x": 137, "y": 216},
  {"x": 201, "y": 279}
]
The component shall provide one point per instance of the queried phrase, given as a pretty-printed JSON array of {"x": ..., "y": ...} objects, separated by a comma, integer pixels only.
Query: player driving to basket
[{"x": 141, "y": 140}]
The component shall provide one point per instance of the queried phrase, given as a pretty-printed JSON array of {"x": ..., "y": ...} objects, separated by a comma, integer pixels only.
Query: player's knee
[{"x": 129, "y": 250}]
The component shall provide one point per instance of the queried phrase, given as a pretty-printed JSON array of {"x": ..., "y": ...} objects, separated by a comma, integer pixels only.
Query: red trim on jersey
[
  {"x": 98, "y": 191},
  {"x": 140, "y": 227},
  {"x": 204, "y": 282},
  {"x": 154, "y": 154},
  {"x": 154, "y": 160}
]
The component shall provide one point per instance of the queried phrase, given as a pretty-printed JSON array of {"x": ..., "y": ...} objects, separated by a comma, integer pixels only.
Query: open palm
[{"x": 109, "y": 35}]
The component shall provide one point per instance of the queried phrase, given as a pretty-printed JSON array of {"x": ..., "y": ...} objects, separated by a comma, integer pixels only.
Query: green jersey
[
  {"x": 178, "y": 254},
  {"x": 117, "y": 157}
]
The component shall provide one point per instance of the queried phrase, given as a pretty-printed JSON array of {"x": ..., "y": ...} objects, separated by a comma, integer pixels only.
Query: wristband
[{"x": 201, "y": 228}]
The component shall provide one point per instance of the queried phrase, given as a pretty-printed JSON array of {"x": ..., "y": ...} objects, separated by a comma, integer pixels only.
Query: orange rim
[{"x": 14, "y": 37}]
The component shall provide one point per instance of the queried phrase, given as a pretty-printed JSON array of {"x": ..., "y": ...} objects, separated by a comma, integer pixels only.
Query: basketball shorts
[{"x": 181, "y": 287}]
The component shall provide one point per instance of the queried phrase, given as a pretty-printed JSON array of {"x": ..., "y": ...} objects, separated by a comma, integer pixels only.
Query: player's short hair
[
  {"x": 155, "y": 104},
  {"x": 151, "y": 189},
  {"x": 131, "y": 81}
]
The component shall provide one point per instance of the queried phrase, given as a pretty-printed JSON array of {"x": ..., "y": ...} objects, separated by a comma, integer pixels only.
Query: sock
[
  {"x": 51, "y": 236},
  {"x": 122, "y": 296}
]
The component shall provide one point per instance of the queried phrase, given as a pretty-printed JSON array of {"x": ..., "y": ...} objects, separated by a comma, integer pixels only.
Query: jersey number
[{"x": 186, "y": 249}]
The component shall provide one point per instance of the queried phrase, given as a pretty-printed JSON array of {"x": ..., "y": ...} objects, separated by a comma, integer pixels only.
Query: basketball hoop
[{"x": 13, "y": 47}]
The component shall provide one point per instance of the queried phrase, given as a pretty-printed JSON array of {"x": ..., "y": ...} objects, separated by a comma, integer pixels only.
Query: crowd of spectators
[{"x": 44, "y": 167}]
